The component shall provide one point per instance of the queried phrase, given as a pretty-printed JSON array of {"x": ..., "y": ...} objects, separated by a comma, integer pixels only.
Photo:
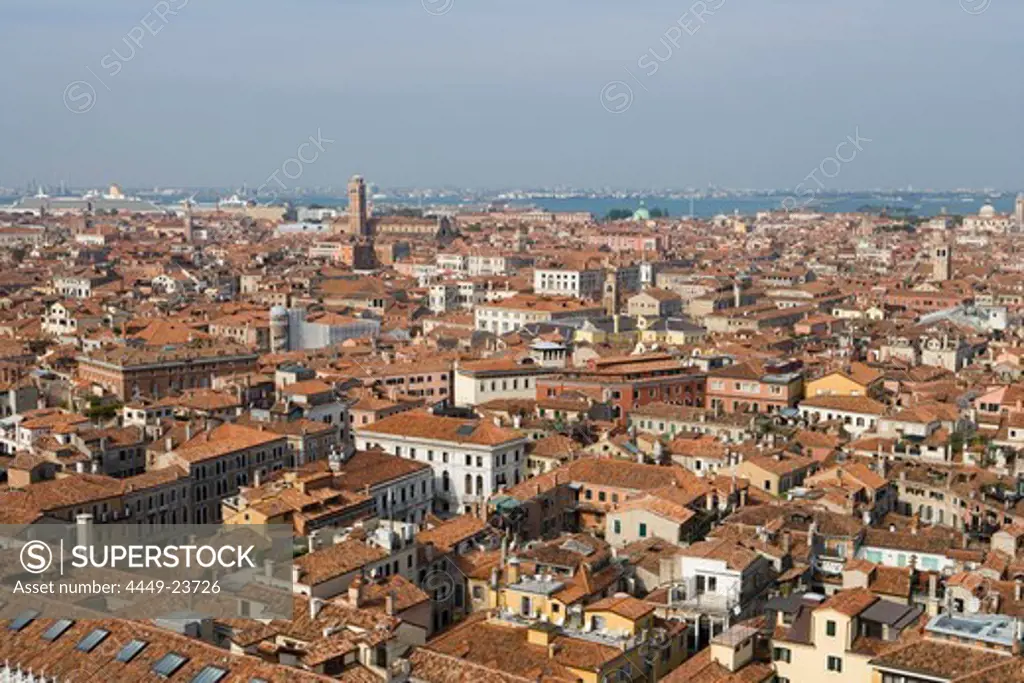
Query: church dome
[
  {"x": 642, "y": 214},
  {"x": 987, "y": 211}
]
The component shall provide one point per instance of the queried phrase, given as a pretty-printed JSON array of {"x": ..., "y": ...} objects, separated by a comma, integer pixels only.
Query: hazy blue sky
[{"x": 496, "y": 93}]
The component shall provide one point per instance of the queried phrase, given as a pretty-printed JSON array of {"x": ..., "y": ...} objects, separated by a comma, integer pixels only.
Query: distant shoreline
[{"x": 903, "y": 204}]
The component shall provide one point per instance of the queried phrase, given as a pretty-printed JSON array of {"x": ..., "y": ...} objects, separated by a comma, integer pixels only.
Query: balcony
[{"x": 687, "y": 596}]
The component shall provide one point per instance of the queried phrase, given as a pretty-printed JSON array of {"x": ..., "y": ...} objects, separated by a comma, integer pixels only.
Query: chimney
[
  {"x": 188, "y": 431},
  {"x": 296, "y": 574},
  {"x": 168, "y": 444},
  {"x": 355, "y": 592},
  {"x": 1018, "y": 589},
  {"x": 83, "y": 529},
  {"x": 315, "y": 605},
  {"x": 933, "y": 587},
  {"x": 512, "y": 575},
  {"x": 787, "y": 542},
  {"x": 389, "y": 602}
]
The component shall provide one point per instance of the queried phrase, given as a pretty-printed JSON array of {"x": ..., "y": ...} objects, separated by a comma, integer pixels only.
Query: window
[
  {"x": 95, "y": 637},
  {"x": 168, "y": 664},
  {"x": 830, "y": 628},
  {"x": 643, "y": 530},
  {"x": 524, "y": 606},
  {"x": 129, "y": 651},
  {"x": 57, "y": 630},
  {"x": 617, "y": 526},
  {"x": 209, "y": 674},
  {"x": 780, "y": 654},
  {"x": 835, "y": 664},
  {"x": 23, "y": 620}
]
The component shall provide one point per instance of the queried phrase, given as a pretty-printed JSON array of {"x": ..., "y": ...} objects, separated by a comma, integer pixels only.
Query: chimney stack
[
  {"x": 355, "y": 592},
  {"x": 512, "y": 571},
  {"x": 83, "y": 529},
  {"x": 389, "y": 602}
]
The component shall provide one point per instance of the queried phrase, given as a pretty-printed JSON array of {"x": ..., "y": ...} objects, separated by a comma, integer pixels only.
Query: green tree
[{"x": 619, "y": 214}]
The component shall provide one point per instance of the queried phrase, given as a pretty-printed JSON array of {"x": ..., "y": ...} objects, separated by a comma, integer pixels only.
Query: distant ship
[
  {"x": 92, "y": 201},
  {"x": 232, "y": 202}
]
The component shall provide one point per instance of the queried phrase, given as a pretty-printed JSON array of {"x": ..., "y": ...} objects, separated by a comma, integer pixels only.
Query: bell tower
[
  {"x": 611, "y": 292},
  {"x": 942, "y": 262},
  {"x": 357, "y": 218}
]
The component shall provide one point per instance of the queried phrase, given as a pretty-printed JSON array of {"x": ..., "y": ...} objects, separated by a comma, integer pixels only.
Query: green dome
[{"x": 642, "y": 214}]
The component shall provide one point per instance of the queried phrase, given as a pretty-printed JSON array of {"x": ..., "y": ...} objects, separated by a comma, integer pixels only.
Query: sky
[{"x": 491, "y": 93}]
